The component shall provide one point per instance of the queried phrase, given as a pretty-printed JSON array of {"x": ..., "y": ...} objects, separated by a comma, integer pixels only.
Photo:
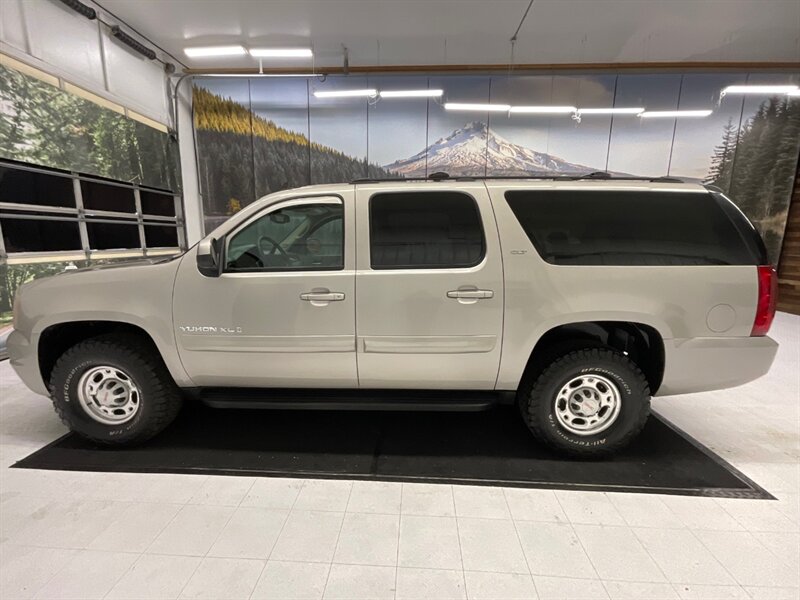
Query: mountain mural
[{"x": 474, "y": 150}]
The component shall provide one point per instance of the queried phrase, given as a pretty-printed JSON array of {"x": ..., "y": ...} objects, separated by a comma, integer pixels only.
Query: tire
[
  {"x": 544, "y": 402},
  {"x": 153, "y": 399}
]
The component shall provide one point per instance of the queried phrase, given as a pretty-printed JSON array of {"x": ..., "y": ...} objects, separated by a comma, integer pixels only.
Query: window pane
[
  {"x": 29, "y": 235},
  {"x": 112, "y": 236},
  {"x": 28, "y": 187},
  {"x": 98, "y": 196},
  {"x": 572, "y": 227},
  {"x": 300, "y": 238},
  {"x": 157, "y": 204},
  {"x": 160, "y": 236},
  {"x": 424, "y": 230}
]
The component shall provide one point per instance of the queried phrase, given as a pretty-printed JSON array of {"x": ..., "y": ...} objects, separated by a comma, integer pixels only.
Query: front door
[
  {"x": 282, "y": 313},
  {"x": 430, "y": 288}
]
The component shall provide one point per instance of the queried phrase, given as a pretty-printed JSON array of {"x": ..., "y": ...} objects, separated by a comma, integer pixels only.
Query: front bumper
[
  {"x": 24, "y": 360},
  {"x": 703, "y": 364}
]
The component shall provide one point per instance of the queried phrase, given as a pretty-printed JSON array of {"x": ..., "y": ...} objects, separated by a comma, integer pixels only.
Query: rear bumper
[
  {"x": 25, "y": 361},
  {"x": 703, "y": 364}
]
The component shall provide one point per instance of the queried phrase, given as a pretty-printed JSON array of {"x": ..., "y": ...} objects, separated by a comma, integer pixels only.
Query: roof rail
[{"x": 594, "y": 175}]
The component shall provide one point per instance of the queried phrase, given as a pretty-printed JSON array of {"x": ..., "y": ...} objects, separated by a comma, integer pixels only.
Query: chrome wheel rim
[
  {"x": 108, "y": 395},
  {"x": 588, "y": 404}
]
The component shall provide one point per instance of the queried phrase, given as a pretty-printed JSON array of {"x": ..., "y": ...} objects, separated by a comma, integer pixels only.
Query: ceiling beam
[{"x": 504, "y": 68}]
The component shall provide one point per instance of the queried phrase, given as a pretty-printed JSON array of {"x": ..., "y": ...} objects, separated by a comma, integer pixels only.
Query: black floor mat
[{"x": 485, "y": 448}]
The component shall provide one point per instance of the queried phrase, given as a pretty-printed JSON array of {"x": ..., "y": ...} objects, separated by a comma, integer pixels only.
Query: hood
[{"x": 142, "y": 262}]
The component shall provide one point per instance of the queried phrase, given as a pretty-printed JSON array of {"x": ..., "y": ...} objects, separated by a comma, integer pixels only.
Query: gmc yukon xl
[{"x": 577, "y": 298}]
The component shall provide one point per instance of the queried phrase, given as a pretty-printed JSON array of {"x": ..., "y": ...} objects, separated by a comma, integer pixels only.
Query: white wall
[
  {"x": 48, "y": 35},
  {"x": 192, "y": 200}
]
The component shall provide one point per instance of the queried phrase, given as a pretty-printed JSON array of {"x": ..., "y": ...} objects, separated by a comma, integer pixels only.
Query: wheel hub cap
[
  {"x": 588, "y": 404},
  {"x": 108, "y": 395}
]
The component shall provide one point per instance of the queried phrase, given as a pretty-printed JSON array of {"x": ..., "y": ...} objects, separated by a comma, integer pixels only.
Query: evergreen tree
[
  {"x": 760, "y": 171},
  {"x": 722, "y": 160},
  {"x": 245, "y": 156}
]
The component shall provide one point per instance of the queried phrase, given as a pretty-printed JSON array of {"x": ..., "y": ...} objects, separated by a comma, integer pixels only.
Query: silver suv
[{"x": 576, "y": 298}]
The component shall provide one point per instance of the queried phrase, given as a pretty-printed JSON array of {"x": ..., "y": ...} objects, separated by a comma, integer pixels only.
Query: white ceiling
[{"x": 458, "y": 32}]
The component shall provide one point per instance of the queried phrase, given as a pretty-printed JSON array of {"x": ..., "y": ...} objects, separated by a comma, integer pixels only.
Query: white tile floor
[{"x": 95, "y": 535}]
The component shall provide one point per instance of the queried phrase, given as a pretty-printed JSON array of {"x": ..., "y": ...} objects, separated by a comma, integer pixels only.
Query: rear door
[{"x": 429, "y": 284}]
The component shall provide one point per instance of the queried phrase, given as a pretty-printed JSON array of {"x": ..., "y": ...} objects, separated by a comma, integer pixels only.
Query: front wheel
[
  {"x": 114, "y": 390},
  {"x": 589, "y": 402}
]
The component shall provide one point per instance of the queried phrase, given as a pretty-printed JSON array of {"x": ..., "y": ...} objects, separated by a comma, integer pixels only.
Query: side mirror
[{"x": 208, "y": 257}]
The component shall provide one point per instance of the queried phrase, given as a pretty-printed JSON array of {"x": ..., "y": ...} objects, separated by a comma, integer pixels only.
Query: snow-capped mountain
[{"x": 470, "y": 149}]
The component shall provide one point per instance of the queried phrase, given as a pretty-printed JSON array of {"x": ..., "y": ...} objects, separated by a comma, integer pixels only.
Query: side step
[{"x": 327, "y": 399}]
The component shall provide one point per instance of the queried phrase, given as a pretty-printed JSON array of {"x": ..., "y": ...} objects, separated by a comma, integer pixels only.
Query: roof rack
[{"x": 596, "y": 175}]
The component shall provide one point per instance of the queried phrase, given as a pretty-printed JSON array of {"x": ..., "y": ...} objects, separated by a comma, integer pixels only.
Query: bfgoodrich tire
[
  {"x": 588, "y": 403},
  {"x": 114, "y": 390}
]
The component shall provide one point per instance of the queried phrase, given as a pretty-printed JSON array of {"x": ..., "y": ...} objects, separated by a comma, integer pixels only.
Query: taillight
[{"x": 767, "y": 299}]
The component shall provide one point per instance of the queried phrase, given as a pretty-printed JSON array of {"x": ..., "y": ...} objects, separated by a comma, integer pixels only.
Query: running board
[{"x": 312, "y": 399}]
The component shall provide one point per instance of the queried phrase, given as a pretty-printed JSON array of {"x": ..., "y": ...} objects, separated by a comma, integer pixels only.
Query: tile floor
[{"x": 94, "y": 535}]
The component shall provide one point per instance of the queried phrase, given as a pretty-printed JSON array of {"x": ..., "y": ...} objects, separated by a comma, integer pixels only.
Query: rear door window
[
  {"x": 425, "y": 230},
  {"x": 611, "y": 227}
]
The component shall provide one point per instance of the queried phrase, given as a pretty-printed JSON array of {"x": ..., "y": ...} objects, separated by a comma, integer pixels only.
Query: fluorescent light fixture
[
  {"x": 654, "y": 114},
  {"x": 281, "y": 52},
  {"x": 202, "y": 51},
  {"x": 543, "y": 110},
  {"x": 610, "y": 111},
  {"x": 486, "y": 107},
  {"x": 254, "y": 75},
  {"x": 347, "y": 94},
  {"x": 411, "y": 93},
  {"x": 759, "y": 89}
]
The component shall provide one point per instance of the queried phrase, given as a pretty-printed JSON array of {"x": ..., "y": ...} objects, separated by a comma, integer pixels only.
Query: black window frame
[
  {"x": 74, "y": 184},
  {"x": 427, "y": 267}
]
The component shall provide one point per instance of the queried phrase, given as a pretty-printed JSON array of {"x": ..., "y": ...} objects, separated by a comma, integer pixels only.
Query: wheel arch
[
  {"x": 57, "y": 338},
  {"x": 642, "y": 343}
]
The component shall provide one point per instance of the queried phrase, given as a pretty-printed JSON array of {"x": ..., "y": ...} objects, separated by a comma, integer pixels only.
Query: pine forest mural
[
  {"x": 257, "y": 136},
  {"x": 43, "y": 125}
]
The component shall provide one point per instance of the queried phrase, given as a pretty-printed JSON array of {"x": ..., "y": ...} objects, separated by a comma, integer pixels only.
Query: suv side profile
[{"x": 576, "y": 298}]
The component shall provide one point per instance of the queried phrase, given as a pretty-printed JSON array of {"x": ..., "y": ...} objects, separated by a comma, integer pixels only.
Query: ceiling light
[
  {"x": 543, "y": 110},
  {"x": 202, "y": 51},
  {"x": 610, "y": 111},
  {"x": 794, "y": 93},
  {"x": 759, "y": 89},
  {"x": 486, "y": 107},
  {"x": 411, "y": 93},
  {"x": 347, "y": 94},
  {"x": 654, "y": 114},
  {"x": 281, "y": 52}
]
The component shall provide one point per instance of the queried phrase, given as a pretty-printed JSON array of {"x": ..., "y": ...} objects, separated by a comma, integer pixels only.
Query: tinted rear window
[
  {"x": 424, "y": 230},
  {"x": 574, "y": 227}
]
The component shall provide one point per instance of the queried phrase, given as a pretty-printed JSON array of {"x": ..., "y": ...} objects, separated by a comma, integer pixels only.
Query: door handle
[
  {"x": 470, "y": 294},
  {"x": 322, "y": 296}
]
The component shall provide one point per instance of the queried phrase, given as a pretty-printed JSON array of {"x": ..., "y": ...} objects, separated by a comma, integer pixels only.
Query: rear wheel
[
  {"x": 589, "y": 402},
  {"x": 114, "y": 390}
]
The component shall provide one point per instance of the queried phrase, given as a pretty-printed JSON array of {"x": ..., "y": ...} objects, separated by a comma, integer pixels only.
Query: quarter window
[
  {"x": 653, "y": 228},
  {"x": 425, "y": 230},
  {"x": 299, "y": 237}
]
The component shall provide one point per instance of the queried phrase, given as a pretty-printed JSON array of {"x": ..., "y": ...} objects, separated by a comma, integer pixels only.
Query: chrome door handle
[
  {"x": 322, "y": 296},
  {"x": 472, "y": 294}
]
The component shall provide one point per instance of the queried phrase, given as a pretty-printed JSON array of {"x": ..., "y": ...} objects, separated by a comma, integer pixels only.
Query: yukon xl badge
[{"x": 200, "y": 329}]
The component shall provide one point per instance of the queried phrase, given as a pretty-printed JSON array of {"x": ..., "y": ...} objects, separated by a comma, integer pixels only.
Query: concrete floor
[{"x": 95, "y": 535}]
